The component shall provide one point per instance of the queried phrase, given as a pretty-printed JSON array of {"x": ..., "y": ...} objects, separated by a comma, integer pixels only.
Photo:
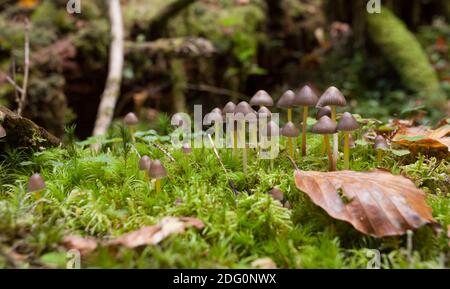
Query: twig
[
  {"x": 216, "y": 90},
  {"x": 164, "y": 151},
  {"x": 13, "y": 73},
  {"x": 16, "y": 87},
  {"x": 293, "y": 163},
  {"x": 26, "y": 71}
]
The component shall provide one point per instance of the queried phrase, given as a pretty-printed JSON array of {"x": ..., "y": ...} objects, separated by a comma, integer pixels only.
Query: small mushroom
[
  {"x": 305, "y": 98},
  {"x": 261, "y": 98},
  {"x": 242, "y": 112},
  {"x": 264, "y": 112},
  {"x": 36, "y": 184},
  {"x": 326, "y": 110},
  {"x": 380, "y": 145},
  {"x": 157, "y": 171},
  {"x": 286, "y": 101},
  {"x": 326, "y": 126},
  {"x": 131, "y": 121},
  {"x": 216, "y": 118},
  {"x": 228, "y": 108},
  {"x": 290, "y": 131},
  {"x": 216, "y": 110},
  {"x": 177, "y": 119},
  {"x": 144, "y": 164},
  {"x": 272, "y": 130},
  {"x": 347, "y": 124},
  {"x": 333, "y": 97},
  {"x": 277, "y": 194},
  {"x": 2, "y": 132},
  {"x": 186, "y": 148}
]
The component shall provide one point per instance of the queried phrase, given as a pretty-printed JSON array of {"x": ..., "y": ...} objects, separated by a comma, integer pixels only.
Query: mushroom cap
[
  {"x": 217, "y": 110},
  {"x": 277, "y": 194},
  {"x": 131, "y": 119},
  {"x": 326, "y": 110},
  {"x": 347, "y": 123},
  {"x": 289, "y": 130},
  {"x": 272, "y": 129},
  {"x": 351, "y": 142},
  {"x": 177, "y": 119},
  {"x": 144, "y": 163},
  {"x": 2, "y": 132},
  {"x": 244, "y": 108},
  {"x": 264, "y": 111},
  {"x": 157, "y": 170},
  {"x": 332, "y": 96},
  {"x": 228, "y": 108},
  {"x": 305, "y": 97},
  {"x": 186, "y": 148},
  {"x": 213, "y": 117},
  {"x": 380, "y": 143},
  {"x": 286, "y": 100},
  {"x": 324, "y": 125},
  {"x": 36, "y": 183},
  {"x": 261, "y": 98}
]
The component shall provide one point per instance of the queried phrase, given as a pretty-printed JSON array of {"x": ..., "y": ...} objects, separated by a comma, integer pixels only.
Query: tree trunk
[{"x": 116, "y": 57}]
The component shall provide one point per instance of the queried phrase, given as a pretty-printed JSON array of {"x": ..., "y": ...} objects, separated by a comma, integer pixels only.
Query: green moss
[{"x": 404, "y": 52}]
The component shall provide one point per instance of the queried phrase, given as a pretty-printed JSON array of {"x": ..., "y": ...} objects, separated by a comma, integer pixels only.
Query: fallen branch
[{"x": 177, "y": 47}]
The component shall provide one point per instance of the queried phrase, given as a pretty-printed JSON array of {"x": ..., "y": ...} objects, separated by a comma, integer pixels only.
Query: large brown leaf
[
  {"x": 422, "y": 136},
  {"x": 376, "y": 203}
]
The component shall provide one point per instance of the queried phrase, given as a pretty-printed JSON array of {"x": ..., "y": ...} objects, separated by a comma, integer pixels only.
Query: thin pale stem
[
  {"x": 329, "y": 152},
  {"x": 289, "y": 114},
  {"x": 346, "y": 151},
  {"x": 291, "y": 147},
  {"x": 304, "y": 127},
  {"x": 335, "y": 138},
  {"x": 379, "y": 155},
  {"x": 235, "y": 144},
  {"x": 158, "y": 186}
]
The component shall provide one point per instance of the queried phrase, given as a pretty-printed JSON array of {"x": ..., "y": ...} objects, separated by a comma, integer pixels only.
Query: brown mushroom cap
[
  {"x": 177, "y": 119},
  {"x": 305, "y": 97},
  {"x": 272, "y": 129},
  {"x": 289, "y": 130},
  {"x": 325, "y": 125},
  {"x": 213, "y": 117},
  {"x": 332, "y": 96},
  {"x": 144, "y": 163},
  {"x": 217, "y": 110},
  {"x": 286, "y": 100},
  {"x": 228, "y": 108},
  {"x": 277, "y": 194},
  {"x": 326, "y": 110},
  {"x": 186, "y": 148},
  {"x": 244, "y": 108},
  {"x": 157, "y": 170},
  {"x": 36, "y": 183},
  {"x": 264, "y": 111},
  {"x": 131, "y": 119},
  {"x": 347, "y": 123},
  {"x": 261, "y": 98},
  {"x": 351, "y": 142},
  {"x": 380, "y": 143},
  {"x": 2, "y": 132}
]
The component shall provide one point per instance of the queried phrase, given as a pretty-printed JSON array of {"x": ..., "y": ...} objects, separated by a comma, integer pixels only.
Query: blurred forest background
[{"x": 184, "y": 52}]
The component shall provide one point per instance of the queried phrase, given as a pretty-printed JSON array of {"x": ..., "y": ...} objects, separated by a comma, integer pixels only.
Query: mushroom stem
[
  {"x": 235, "y": 143},
  {"x": 335, "y": 137},
  {"x": 329, "y": 153},
  {"x": 304, "y": 126},
  {"x": 379, "y": 155},
  {"x": 346, "y": 150},
  {"x": 158, "y": 186},
  {"x": 132, "y": 130},
  {"x": 146, "y": 179},
  {"x": 289, "y": 114},
  {"x": 291, "y": 147}
]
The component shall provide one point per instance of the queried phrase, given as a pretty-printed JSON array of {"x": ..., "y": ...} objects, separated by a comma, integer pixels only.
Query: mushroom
[
  {"x": 217, "y": 110},
  {"x": 286, "y": 101},
  {"x": 326, "y": 110},
  {"x": 157, "y": 171},
  {"x": 144, "y": 165},
  {"x": 277, "y": 194},
  {"x": 131, "y": 121},
  {"x": 177, "y": 119},
  {"x": 272, "y": 130},
  {"x": 186, "y": 148},
  {"x": 326, "y": 126},
  {"x": 242, "y": 112},
  {"x": 261, "y": 98},
  {"x": 290, "y": 131},
  {"x": 2, "y": 132},
  {"x": 216, "y": 118},
  {"x": 227, "y": 112},
  {"x": 380, "y": 145},
  {"x": 36, "y": 184},
  {"x": 347, "y": 124},
  {"x": 264, "y": 112},
  {"x": 306, "y": 98},
  {"x": 333, "y": 97}
]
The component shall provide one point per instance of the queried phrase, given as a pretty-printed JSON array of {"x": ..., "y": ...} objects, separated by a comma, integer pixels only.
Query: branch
[
  {"x": 23, "y": 95},
  {"x": 114, "y": 80},
  {"x": 160, "y": 21},
  {"x": 176, "y": 47}
]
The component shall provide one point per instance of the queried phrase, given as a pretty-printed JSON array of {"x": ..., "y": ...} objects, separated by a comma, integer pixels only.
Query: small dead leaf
[
  {"x": 152, "y": 235},
  {"x": 264, "y": 263},
  {"x": 425, "y": 137},
  {"x": 83, "y": 244},
  {"x": 379, "y": 203}
]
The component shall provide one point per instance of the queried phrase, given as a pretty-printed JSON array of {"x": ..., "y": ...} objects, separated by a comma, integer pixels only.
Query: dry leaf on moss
[
  {"x": 83, "y": 244},
  {"x": 376, "y": 203},
  {"x": 422, "y": 136}
]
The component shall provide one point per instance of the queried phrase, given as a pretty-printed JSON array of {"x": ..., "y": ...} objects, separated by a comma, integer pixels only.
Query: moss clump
[{"x": 404, "y": 52}]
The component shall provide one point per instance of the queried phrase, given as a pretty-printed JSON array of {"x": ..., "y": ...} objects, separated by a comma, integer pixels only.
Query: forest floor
[{"x": 104, "y": 195}]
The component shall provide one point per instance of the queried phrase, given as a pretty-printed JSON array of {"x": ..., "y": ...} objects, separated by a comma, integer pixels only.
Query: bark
[
  {"x": 114, "y": 80},
  {"x": 159, "y": 23},
  {"x": 23, "y": 133}
]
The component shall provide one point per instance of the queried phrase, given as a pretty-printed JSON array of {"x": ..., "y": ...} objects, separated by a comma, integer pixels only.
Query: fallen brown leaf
[
  {"x": 376, "y": 203},
  {"x": 152, "y": 235},
  {"x": 83, "y": 244},
  {"x": 422, "y": 136}
]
